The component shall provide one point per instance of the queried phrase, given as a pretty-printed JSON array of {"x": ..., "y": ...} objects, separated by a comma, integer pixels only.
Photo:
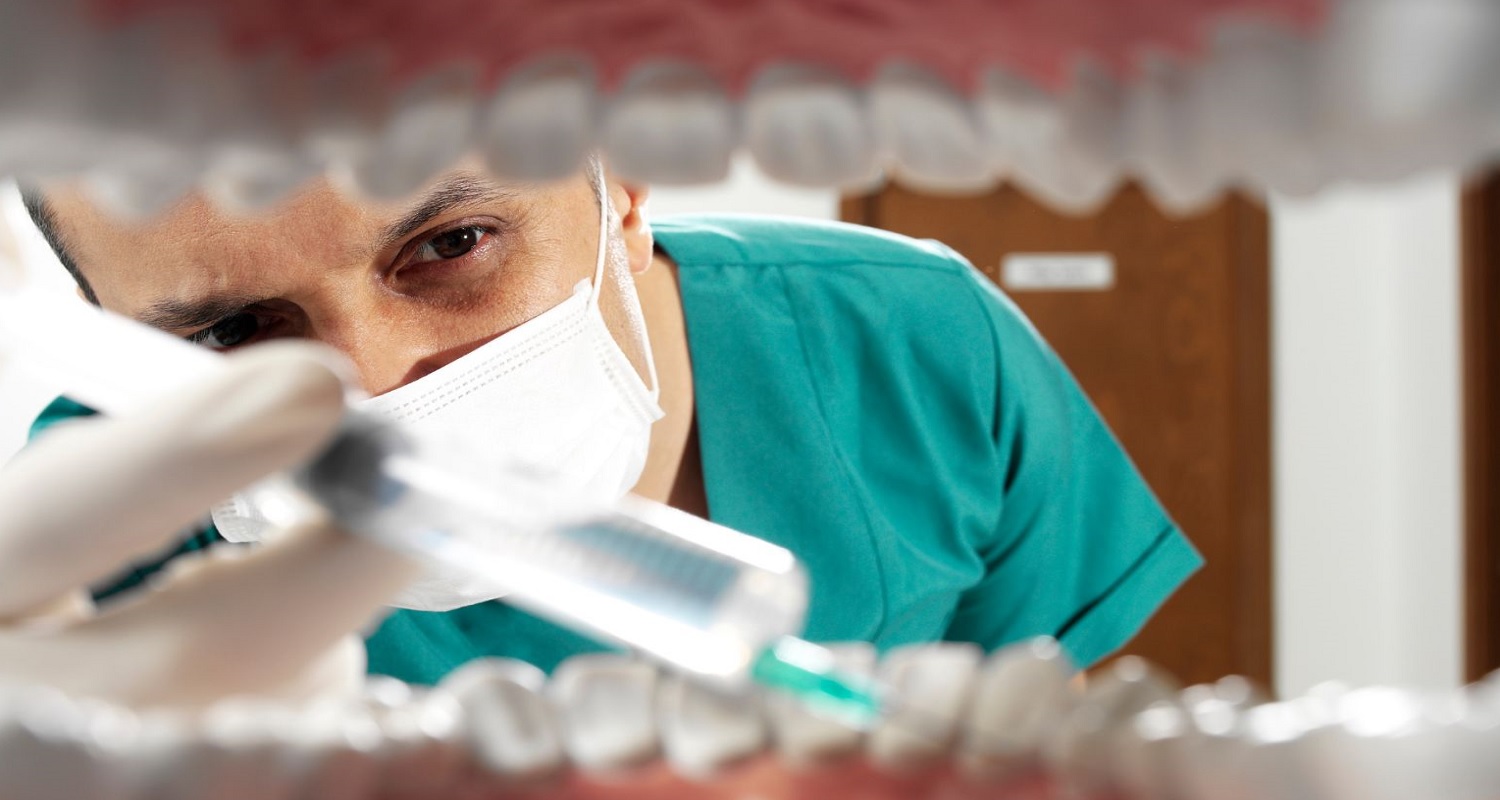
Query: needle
[{"x": 808, "y": 673}]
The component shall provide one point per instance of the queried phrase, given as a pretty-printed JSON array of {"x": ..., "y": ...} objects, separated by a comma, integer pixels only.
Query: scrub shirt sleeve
[
  {"x": 1083, "y": 550},
  {"x": 200, "y": 537}
]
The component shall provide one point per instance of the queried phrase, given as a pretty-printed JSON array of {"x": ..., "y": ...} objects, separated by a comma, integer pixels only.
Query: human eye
[
  {"x": 233, "y": 331},
  {"x": 451, "y": 244}
]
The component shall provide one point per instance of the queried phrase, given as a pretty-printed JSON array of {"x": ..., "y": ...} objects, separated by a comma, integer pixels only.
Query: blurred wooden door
[
  {"x": 1175, "y": 352},
  {"x": 1481, "y": 348}
]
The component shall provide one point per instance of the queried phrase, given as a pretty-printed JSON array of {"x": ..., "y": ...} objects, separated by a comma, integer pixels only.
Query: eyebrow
[
  {"x": 460, "y": 190},
  {"x": 172, "y": 315}
]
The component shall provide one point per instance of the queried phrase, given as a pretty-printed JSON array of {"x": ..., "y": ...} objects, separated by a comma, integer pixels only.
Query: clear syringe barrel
[{"x": 698, "y": 596}]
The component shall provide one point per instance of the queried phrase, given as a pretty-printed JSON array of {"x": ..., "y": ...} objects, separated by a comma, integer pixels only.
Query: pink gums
[{"x": 731, "y": 39}]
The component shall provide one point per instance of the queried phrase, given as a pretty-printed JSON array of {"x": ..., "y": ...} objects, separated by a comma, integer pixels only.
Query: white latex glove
[{"x": 97, "y": 494}]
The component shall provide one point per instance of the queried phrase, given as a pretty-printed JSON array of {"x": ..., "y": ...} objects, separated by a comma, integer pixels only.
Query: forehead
[
  {"x": 199, "y": 247},
  {"x": 195, "y": 241}
]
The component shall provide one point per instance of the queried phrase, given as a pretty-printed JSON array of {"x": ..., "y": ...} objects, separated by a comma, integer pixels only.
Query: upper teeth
[{"x": 150, "y": 105}]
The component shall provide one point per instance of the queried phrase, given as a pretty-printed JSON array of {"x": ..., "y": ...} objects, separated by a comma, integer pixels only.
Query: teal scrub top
[{"x": 875, "y": 405}]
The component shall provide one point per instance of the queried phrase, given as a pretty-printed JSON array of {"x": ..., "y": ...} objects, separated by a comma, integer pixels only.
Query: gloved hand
[{"x": 97, "y": 494}]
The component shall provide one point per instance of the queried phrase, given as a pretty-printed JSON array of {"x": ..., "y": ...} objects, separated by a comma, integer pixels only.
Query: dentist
[{"x": 868, "y": 401}]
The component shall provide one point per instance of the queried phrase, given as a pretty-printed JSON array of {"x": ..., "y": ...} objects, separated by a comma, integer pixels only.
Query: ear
[{"x": 635, "y": 227}]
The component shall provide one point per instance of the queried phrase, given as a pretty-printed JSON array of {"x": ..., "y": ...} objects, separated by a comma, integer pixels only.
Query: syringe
[{"x": 700, "y": 598}]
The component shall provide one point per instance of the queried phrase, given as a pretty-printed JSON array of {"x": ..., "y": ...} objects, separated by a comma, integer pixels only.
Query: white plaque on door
[{"x": 1058, "y": 272}]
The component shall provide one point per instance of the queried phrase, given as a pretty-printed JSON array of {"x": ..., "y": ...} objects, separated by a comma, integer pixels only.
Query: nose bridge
[
  {"x": 385, "y": 339},
  {"x": 372, "y": 333}
]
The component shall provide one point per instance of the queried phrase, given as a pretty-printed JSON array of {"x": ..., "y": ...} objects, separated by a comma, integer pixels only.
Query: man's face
[{"x": 400, "y": 289}]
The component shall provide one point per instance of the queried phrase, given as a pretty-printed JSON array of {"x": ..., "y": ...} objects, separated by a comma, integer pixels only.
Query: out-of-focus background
[{"x": 1293, "y": 391}]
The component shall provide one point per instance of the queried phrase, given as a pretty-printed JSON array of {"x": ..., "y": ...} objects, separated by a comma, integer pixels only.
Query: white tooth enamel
[
  {"x": 1234, "y": 690},
  {"x": 606, "y": 706},
  {"x": 540, "y": 122},
  {"x": 703, "y": 731},
  {"x": 53, "y": 747},
  {"x": 145, "y": 115},
  {"x": 1018, "y": 118},
  {"x": 510, "y": 726},
  {"x": 144, "y": 188},
  {"x": 804, "y": 738},
  {"x": 380, "y": 693},
  {"x": 1376, "y": 747},
  {"x": 670, "y": 123},
  {"x": 110, "y": 733},
  {"x": 331, "y": 752},
  {"x": 1406, "y": 85},
  {"x": 1276, "y": 742},
  {"x": 1069, "y": 150},
  {"x": 232, "y": 93},
  {"x": 872, "y": 181},
  {"x": 422, "y": 751},
  {"x": 1210, "y": 755},
  {"x": 1463, "y": 753},
  {"x": 20, "y": 24},
  {"x": 248, "y": 737},
  {"x": 254, "y": 180},
  {"x": 430, "y": 127},
  {"x": 1020, "y": 695},
  {"x": 50, "y": 58},
  {"x": 1215, "y": 754},
  {"x": 151, "y": 103},
  {"x": 229, "y": 752},
  {"x": 156, "y": 755},
  {"x": 1078, "y": 749},
  {"x": 929, "y": 129},
  {"x": 1447, "y": 753},
  {"x": 1146, "y": 757},
  {"x": 807, "y": 126},
  {"x": 254, "y": 160},
  {"x": 930, "y": 685},
  {"x": 347, "y": 105},
  {"x": 133, "y": 107},
  {"x": 1168, "y": 137},
  {"x": 1258, "y": 99}
]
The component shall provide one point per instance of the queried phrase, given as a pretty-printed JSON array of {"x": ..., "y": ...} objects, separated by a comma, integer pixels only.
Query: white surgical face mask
[{"x": 556, "y": 395}]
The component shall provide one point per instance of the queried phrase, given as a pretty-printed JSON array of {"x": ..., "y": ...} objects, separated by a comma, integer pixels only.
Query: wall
[
  {"x": 747, "y": 190},
  {"x": 1367, "y": 437},
  {"x": 1368, "y": 430}
]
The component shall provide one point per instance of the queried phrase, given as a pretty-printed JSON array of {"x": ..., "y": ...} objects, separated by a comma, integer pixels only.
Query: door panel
[
  {"x": 1176, "y": 355},
  {"x": 1481, "y": 349}
]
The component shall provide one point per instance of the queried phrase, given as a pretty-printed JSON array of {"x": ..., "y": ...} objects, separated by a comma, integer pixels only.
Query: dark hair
[
  {"x": 46, "y": 222},
  {"x": 594, "y": 170}
]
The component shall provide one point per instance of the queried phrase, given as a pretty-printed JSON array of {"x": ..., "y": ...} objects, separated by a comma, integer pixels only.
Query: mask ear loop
[
  {"x": 604, "y": 212},
  {"x": 604, "y": 209}
]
